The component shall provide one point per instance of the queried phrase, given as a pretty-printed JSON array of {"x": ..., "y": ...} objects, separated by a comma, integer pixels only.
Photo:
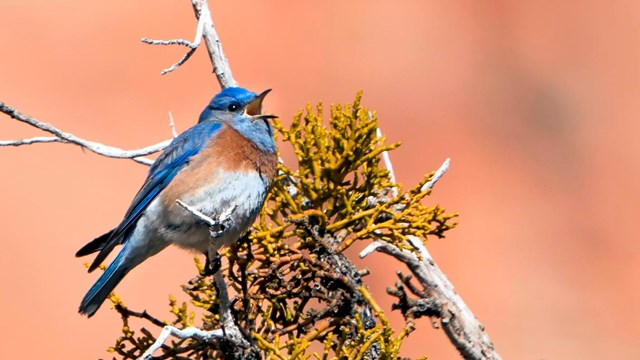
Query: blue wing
[{"x": 163, "y": 170}]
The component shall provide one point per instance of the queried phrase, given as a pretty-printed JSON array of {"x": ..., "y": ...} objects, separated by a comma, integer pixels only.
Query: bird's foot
[
  {"x": 216, "y": 231},
  {"x": 211, "y": 266},
  {"x": 225, "y": 221}
]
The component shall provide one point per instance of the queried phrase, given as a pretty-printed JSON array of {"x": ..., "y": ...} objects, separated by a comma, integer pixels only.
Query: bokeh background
[{"x": 537, "y": 104}]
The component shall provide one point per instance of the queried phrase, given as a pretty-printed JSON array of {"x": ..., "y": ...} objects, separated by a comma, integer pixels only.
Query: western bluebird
[{"x": 227, "y": 160}]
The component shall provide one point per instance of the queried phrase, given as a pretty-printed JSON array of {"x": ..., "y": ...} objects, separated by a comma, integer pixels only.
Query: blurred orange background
[{"x": 537, "y": 104}]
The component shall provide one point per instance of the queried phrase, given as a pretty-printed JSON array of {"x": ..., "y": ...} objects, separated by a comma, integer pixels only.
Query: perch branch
[
  {"x": 229, "y": 331},
  {"x": 65, "y": 137},
  {"x": 461, "y": 326}
]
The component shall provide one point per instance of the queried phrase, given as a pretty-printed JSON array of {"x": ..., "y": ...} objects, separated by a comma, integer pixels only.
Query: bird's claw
[
  {"x": 212, "y": 266},
  {"x": 221, "y": 227}
]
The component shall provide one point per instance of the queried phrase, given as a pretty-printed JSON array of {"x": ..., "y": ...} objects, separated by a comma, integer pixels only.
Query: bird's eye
[{"x": 233, "y": 107}]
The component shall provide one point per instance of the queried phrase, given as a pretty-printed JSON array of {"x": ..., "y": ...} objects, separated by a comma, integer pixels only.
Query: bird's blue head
[
  {"x": 231, "y": 101},
  {"x": 242, "y": 110}
]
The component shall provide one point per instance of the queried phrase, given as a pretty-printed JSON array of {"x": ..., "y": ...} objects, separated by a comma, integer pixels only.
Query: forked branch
[{"x": 204, "y": 29}]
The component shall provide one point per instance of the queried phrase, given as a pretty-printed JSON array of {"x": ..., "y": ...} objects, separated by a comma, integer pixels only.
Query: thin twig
[
  {"x": 64, "y": 137},
  {"x": 204, "y": 29},
  {"x": 183, "y": 42},
  {"x": 172, "y": 125},
  {"x": 190, "y": 332},
  {"x": 439, "y": 173},
  {"x": 224, "y": 217},
  {"x": 29, "y": 141},
  {"x": 193, "y": 46},
  {"x": 125, "y": 311},
  {"x": 386, "y": 159}
]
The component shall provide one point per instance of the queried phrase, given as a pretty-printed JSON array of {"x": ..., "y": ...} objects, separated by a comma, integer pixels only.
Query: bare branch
[
  {"x": 220, "y": 63},
  {"x": 461, "y": 326},
  {"x": 229, "y": 331},
  {"x": 223, "y": 218},
  {"x": 29, "y": 141},
  {"x": 216, "y": 227},
  {"x": 183, "y": 42},
  {"x": 204, "y": 29},
  {"x": 439, "y": 173},
  {"x": 172, "y": 126},
  {"x": 64, "y": 137},
  {"x": 202, "y": 217},
  {"x": 386, "y": 159},
  {"x": 221, "y": 67},
  {"x": 387, "y": 163},
  {"x": 190, "y": 332},
  {"x": 193, "y": 46}
]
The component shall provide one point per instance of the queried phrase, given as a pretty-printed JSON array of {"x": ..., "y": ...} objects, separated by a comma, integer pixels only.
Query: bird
[{"x": 227, "y": 161}]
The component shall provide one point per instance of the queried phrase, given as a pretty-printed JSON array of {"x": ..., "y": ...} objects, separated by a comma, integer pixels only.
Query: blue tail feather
[{"x": 99, "y": 292}]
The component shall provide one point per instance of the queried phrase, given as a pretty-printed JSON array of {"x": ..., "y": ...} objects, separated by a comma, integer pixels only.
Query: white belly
[{"x": 244, "y": 192}]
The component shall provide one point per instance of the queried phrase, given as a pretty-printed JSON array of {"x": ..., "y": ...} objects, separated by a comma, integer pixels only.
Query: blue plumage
[
  {"x": 226, "y": 101},
  {"x": 161, "y": 172},
  {"x": 105, "y": 284},
  {"x": 174, "y": 157},
  {"x": 153, "y": 221}
]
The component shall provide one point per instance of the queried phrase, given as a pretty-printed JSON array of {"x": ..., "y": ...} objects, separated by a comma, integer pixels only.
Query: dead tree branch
[
  {"x": 204, "y": 29},
  {"x": 220, "y": 63},
  {"x": 229, "y": 332},
  {"x": 438, "y": 174},
  {"x": 193, "y": 46},
  {"x": 461, "y": 326},
  {"x": 65, "y": 137},
  {"x": 228, "y": 335}
]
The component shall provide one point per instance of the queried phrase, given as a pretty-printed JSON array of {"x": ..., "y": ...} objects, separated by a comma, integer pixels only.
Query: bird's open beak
[{"x": 255, "y": 107}]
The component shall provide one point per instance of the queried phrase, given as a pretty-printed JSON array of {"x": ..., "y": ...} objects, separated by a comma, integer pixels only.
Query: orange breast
[{"x": 227, "y": 151}]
